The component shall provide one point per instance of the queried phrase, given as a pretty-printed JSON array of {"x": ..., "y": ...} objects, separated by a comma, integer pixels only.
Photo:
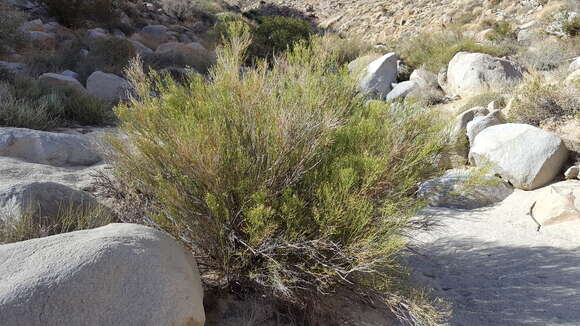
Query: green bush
[
  {"x": 74, "y": 13},
  {"x": 279, "y": 178},
  {"x": 111, "y": 55},
  {"x": 572, "y": 27},
  {"x": 434, "y": 50},
  {"x": 536, "y": 100},
  {"x": 10, "y": 36},
  {"x": 187, "y": 10},
  {"x": 276, "y": 33},
  {"x": 502, "y": 31}
]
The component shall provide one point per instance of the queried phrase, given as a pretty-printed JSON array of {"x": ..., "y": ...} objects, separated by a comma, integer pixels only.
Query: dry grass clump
[
  {"x": 536, "y": 101},
  {"x": 69, "y": 219},
  {"x": 434, "y": 50},
  {"x": 278, "y": 177},
  {"x": 549, "y": 54}
]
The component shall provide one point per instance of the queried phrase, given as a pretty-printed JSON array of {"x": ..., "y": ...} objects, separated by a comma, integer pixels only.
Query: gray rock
[
  {"x": 42, "y": 199},
  {"x": 572, "y": 172},
  {"x": 527, "y": 156},
  {"x": 401, "y": 90},
  {"x": 140, "y": 48},
  {"x": 575, "y": 65},
  {"x": 70, "y": 73},
  {"x": 379, "y": 75},
  {"x": 479, "y": 123},
  {"x": 48, "y": 148},
  {"x": 43, "y": 40},
  {"x": 58, "y": 81},
  {"x": 464, "y": 118},
  {"x": 12, "y": 67},
  {"x": 471, "y": 73},
  {"x": 108, "y": 87},
  {"x": 119, "y": 274},
  {"x": 424, "y": 78},
  {"x": 464, "y": 189}
]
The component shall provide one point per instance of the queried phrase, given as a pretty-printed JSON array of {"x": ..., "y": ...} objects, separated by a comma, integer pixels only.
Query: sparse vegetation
[
  {"x": 24, "y": 103},
  {"x": 186, "y": 10},
  {"x": 536, "y": 100},
  {"x": 29, "y": 226},
  {"x": 10, "y": 36},
  {"x": 484, "y": 99},
  {"x": 502, "y": 31},
  {"x": 434, "y": 50},
  {"x": 572, "y": 26},
  {"x": 281, "y": 179},
  {"x": 75, "y": 13}
]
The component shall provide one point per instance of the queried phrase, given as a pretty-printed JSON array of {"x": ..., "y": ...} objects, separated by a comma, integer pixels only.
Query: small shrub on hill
[
  {"x": 74, "y": 13},
  {"x": 536, "y": 100},
  {"x": 434, "y": 51},
  {"x": 502, "y": 31},
  {"x": 572, "y": 26},
  {"x": 277, "y": 33},
  {"x": 280, "y": 178}
]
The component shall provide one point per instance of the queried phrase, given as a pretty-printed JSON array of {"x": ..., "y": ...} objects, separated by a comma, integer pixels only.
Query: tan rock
[{"x": 557, "y": 206}]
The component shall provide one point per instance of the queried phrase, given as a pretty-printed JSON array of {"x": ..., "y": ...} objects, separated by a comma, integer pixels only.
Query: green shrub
[
  {"x": 110, "y": 55},
  {"x": 572, "y": 27},
  {"x": 279, "y": 178},
  {"x": 433, "y": 51},
  {"x": 74, "y": 13},
  {"x": 276, "y": 33},
  {"x": 502, "y": 31},
  {"x": 186, "y": 10},
  {"x": 536, "y": 100},
  {"x": 10, "y": 36}
]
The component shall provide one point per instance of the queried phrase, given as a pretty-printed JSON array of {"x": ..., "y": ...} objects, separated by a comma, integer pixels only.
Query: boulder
[
  {"x": 379, "y": 75},
  {"x": 573, "y": 78},
  {"x": 479, "y": 123},
  {"x": 140, "y": 48},
  {"x": 96, "y": 34},
  {"x": 42, "y": 199},
  {"x": 401, "y": 90},
  {"x": 424, "y": 78},
  {"x": 108, "y": 87},
  {"x": 153, "y": 35},
  {"x": 471, "y": 73},
  {"x": 12, "y": 67},
  {"x": 70, "y": 73},
  {"x": 464, "y": 189},
  {"x": 527, "y": 156},
  {"x": 56, "y": 149},
  {"x": 119, "y": 274},
  {"x": 58, "y": 81},
  {"x": 42, "y": 40},
  {"x": 572, "y": 172},
  {"x": 557, "y": 205},
  {"x": 464, "y": 118},
  {"x": 575, "y": 65},
  {"x": 35, "y": 25}
]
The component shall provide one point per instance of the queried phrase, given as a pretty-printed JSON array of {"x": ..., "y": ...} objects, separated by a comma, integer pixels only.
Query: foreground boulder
[
  {"x": 471, "y": 73},
  {"x": 479, "y": 123},
  {"x": 49, "y": 148},
  {"x": 120, "y": 274},
  {"x": 107, "y": 87},
  {"x": 527, "y": 156},
  {"x": 42, "y": 199},
  {"x": 557, "y": 205},
  {"x": 379, "y": 75},
  {"x": 464, "y": 189},
  {"x": 401, "y": 90}
]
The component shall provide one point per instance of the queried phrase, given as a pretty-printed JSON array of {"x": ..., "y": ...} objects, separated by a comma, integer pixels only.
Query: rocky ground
[{"x": 498, "y": 268}]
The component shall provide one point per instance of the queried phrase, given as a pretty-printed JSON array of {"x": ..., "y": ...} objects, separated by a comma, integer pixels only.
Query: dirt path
[{"x": 496, "y": 268}]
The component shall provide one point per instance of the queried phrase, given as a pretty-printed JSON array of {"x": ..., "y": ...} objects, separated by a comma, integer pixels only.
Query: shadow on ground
[{"x": 491, "y": 284}]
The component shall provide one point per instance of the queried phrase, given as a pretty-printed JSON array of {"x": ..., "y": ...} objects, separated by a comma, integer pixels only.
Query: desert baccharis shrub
[
  {"x": 186, "y": 10},
  {"x": 10, "y": 36},
  {"x": 277, "y": 33},
  {"x": 26, "y": 104},
  {"x": 537, "y": 100},
  {"x": 434, "y": 50},
  {"x": 280, "y": 178}
]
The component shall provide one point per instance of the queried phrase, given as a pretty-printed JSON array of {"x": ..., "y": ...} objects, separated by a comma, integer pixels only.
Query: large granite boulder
[
  {"x": 472, "y": 73},
  {"x": 120, "y": 274},
  {"x": 107, "y": 87},
  {"x": 379, "y": 75},
  {"x": 527, "y": 156},
  {"x": 59, "y": 81},
  {"x": 57, "y": 149}
]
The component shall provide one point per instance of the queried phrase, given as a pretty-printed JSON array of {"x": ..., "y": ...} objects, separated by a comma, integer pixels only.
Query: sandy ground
[{"x": 497, "y": 268}]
